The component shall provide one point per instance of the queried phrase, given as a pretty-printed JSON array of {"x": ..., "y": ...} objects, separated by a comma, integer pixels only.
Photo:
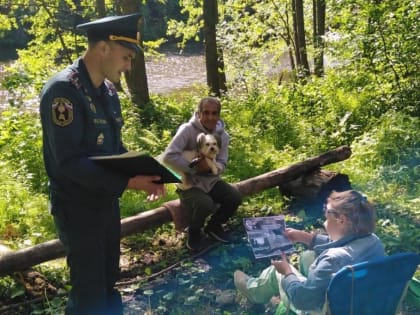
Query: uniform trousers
[{"x": 91, "y": 237}]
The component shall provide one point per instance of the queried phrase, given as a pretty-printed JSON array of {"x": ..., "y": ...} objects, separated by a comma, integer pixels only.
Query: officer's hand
[{"x": 147, "y": 184}]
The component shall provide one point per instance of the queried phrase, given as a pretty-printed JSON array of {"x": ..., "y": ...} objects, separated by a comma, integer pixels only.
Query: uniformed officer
[{"x": 81, "y": 117}]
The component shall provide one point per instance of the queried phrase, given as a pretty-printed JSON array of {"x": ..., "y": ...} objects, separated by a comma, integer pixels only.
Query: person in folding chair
[{"x": 349, "y": 222}]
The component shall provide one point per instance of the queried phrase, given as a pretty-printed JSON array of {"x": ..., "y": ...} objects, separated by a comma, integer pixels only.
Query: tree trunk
[
  {"x": 303, "y": 64},
  {"x": 137, "y": 78},
  {"x": 319, "y": 32},
  {"x": 288, "y": 38},
  {"x": 100, "y": 7},
  {"x": 310, "y": 190},
  {"x": 282, "y": 175},
  {"x": 295, "y": 35},
  {"x": 216, "y": 79},
  {"x": 137, "y": 81},
  {"x": 25, "y": 258}
]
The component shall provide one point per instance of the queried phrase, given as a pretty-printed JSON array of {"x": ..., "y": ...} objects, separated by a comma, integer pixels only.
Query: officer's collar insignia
[
  {"x": 92, "y": 107},
  {"x": 100, "y": 139},
  {"x": 62, "y": 111},
  {"x": 74, "y": 79},
  {"x": 111, "y": 88}
]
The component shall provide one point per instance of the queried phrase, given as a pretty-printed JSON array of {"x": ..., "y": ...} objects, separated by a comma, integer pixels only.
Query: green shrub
[
  {"x": 24, "y": 216},
  {"x": 21, "y": 146}
]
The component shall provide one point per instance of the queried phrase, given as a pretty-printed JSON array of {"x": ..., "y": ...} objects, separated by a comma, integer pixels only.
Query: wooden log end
[{"x": 310, "y": 190}]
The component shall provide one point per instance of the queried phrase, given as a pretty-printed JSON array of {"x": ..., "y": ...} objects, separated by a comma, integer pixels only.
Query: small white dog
[{"x": 207, "y": 148}]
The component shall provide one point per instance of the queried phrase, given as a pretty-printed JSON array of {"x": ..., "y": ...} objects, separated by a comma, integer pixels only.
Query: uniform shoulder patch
[
  {"x": 62, "y": 111},
  {"x": 73, "y": 78}
]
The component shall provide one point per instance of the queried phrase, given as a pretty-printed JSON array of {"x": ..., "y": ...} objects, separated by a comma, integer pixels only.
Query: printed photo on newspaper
[{"x": 265, "y": 234}]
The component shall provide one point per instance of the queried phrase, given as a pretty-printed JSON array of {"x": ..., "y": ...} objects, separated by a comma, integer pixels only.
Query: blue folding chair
[{"x": 374, "y": 287}]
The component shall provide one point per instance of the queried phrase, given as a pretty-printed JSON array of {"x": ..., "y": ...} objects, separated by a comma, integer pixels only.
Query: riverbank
[{"x": 167, "y": 73}]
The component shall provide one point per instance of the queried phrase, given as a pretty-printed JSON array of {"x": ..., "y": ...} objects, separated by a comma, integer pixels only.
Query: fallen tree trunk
[
  {"x": 282, "y": 175},
  {"x": 310, "y": 190},
  {"x": 25, "y": 258}
]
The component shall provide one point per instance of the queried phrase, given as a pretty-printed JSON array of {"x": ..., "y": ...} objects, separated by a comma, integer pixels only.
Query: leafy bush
[
  {"x": 24, "y": 216},
  {"x": 152, "y": 127},
  {"x": 391, "y": 148},
  {"x": 21, "y": 145},
  {"x": 385, "y": 166},
  {"x": 368, "y": 99}
]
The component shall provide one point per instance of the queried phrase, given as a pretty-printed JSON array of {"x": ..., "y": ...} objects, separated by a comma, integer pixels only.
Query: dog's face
[{"x": 208, "y": 145}]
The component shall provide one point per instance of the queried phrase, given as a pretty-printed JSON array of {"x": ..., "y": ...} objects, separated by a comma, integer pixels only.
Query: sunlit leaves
[
  {"x": 190, "y": 29},
  {"x": 382, "y": 39},
  {"x": 6, "y": 23}
]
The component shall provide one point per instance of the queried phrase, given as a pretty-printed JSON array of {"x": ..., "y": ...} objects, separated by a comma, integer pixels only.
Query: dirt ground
[
  {"x": 203, "y": 284},
  {"x": 199, "y": 284}
]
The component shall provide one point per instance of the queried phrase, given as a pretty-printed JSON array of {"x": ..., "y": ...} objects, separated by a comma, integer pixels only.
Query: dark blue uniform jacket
[{"x": 80, "y": 121}]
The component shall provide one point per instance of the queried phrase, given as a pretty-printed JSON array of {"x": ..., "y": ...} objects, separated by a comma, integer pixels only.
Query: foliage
[
  {"x": 6, "y": 23},
  {"x": 54, "y": 43},
  {"x": 51, "y": 43},
  {"x": 151, "y": 127},
  {"x": 368, "y": 99},
  {"x": 385, "y": 148},
  {"x": 24, "y": 216},
  {"x": 385, "y": 163},
  {"x": 189, "y": 29},
  {"x": 9, "y": 288},
  {"x": 380, "y": 39},
  {"x": 21, "y": 146},
  {"x": 249, "y": 34}
]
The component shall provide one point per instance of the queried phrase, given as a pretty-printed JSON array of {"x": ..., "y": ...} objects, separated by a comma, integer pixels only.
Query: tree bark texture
[
  {"x": 210, "y": 13},
  {"x": 319, "y": 32},
  {"x": 25, "y": 258},
  {"x": 137, "y": 77},
  {"x": 295, "y": 34},
  {"x": 299, "y": 26},
  {"x": 272, "y": 179},
  {"x": 310, "y": 191},
  {"x": 137, "y": 81},
  {"x": 100, "y": 7},
  {"x": 287, "y": 36}
]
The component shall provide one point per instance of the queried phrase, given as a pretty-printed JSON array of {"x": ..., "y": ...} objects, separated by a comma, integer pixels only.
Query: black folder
[{"x": 134, "y": 163}]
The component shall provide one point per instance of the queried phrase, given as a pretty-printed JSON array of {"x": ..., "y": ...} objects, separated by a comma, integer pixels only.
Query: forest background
[{"x": 365, "y": 96}]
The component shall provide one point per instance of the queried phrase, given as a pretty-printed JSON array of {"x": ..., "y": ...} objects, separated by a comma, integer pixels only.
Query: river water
[
  {"x": 174, "y": 72},
  {"x": 165, "y": 74}
]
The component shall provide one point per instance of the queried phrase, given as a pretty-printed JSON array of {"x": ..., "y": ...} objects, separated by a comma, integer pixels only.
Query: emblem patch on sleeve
[{"x": 62, "y": 111}]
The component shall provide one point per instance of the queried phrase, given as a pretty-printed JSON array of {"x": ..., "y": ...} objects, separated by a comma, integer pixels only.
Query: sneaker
[
  {"x": 216, "y": 231},
  {"x": 240, "y": 280},
  {"x": 196, "y": 241}
]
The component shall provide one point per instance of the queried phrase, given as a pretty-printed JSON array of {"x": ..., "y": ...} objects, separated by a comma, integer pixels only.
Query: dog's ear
[{"x": 201, "y": 139}]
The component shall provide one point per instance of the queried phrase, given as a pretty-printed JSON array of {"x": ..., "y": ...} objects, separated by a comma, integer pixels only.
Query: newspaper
[{"x": 265, "y": 234}]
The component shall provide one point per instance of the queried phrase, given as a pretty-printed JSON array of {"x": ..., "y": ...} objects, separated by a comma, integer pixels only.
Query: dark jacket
[{"x": 79, "y": 121}]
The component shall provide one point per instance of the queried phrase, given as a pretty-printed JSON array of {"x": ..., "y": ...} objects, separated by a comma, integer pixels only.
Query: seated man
[
  {"x": 350, "y": 222},
  {"x": 206, "y": 193}
]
